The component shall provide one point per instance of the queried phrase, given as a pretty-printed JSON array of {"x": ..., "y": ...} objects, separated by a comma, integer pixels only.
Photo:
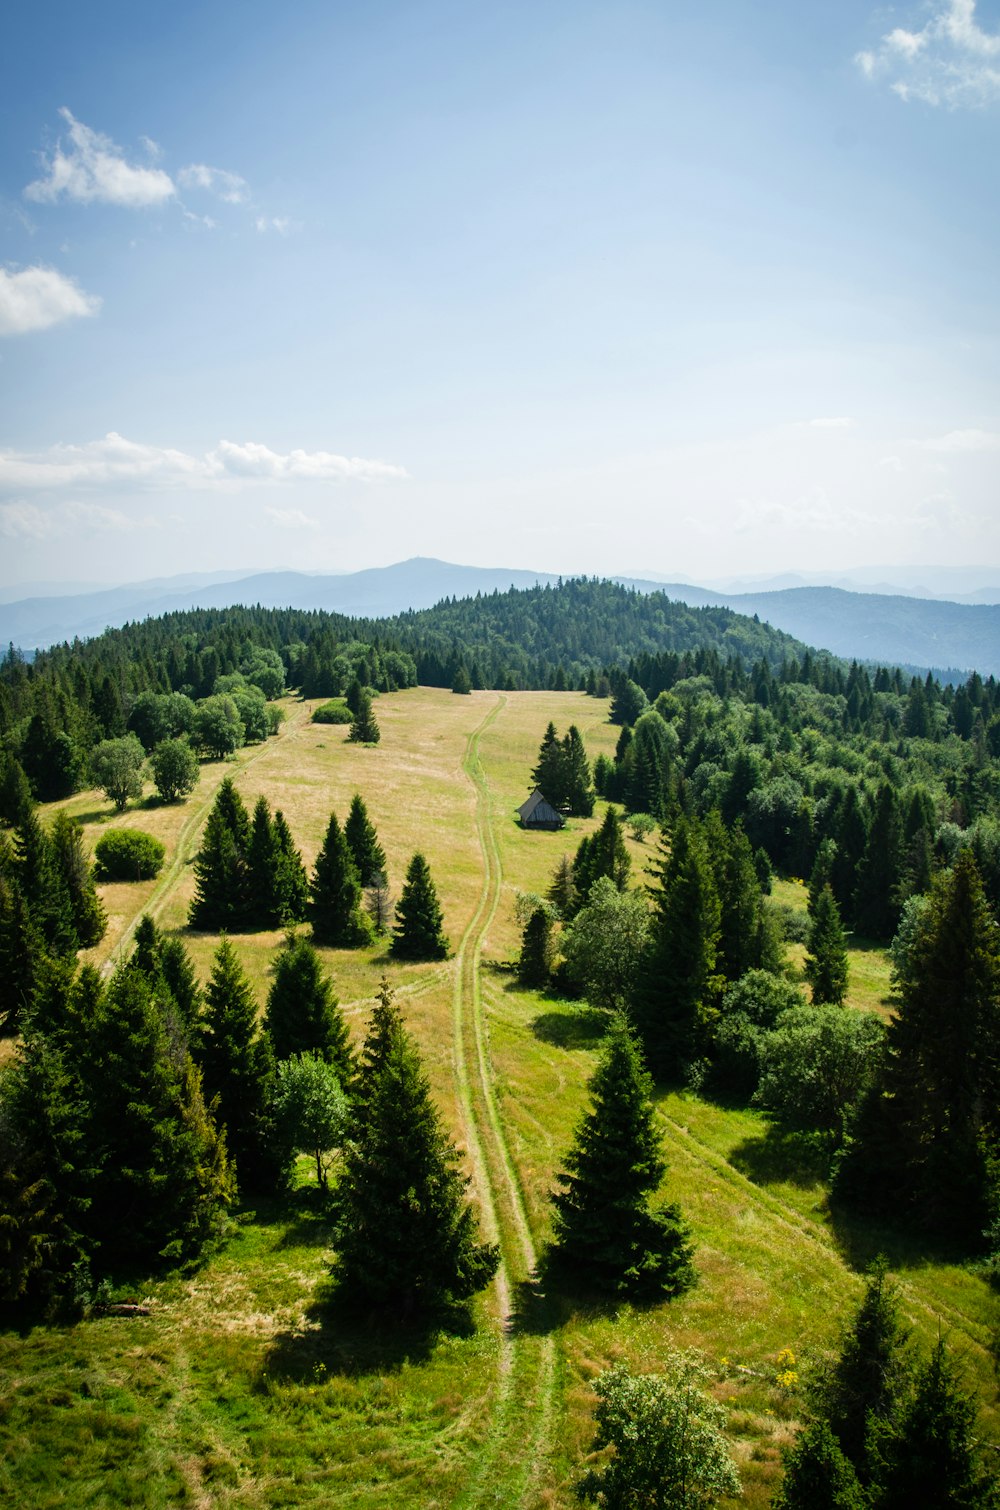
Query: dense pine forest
[{"x": 751, "y": 827}]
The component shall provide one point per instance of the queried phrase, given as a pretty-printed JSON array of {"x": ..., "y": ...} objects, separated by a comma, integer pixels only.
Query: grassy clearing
[{"x": 245, "y": 1389}]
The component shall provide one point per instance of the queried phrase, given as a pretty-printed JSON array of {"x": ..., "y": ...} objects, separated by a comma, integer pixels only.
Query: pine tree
[
  {"x": 606, "y": 1236},
  {"x": 39, "y": 876},
  {"x": 826, "y": 962},
  {"x": 293, "y": 885},
  {"x": 547, "y": 775},
  {"x": 407, "y": 1238},
  {"x": 383, "y": 1025},
  {"x": 221, "y": 897},
  {"x": 359, "y": 831},
  {"x": 679, "y": 983},
  {"x": 862, "y": 1392},
  {"x": 303, "y": 1016},
  {"x": 418, "y": 931},
  {"x": 22, "y": 953},
  {"x": 851, "y": 837},
  {"x": 154, "y": 1151},
  {"x": 534, "y": 965},
  {"x": 923, "y": 1141},
  {"x": 562, "y": 891},
  {"x": 601, "y": 854},
  {"x": 876, "y": 895},
  {"x": 179, "y": 978},
  {"x": 335, "y": 909},
  {"x": 237, "y": 1064},
  {"x": 933, "y": 1458},
  {"x": 364, "y": 729},
  {"x": 89, "y": 917},
  {"x": 265, "y": 900},
  {"x": 817, "y": 1474},
  {"x": 578, "y": 788},
  {"x": 747, "y": 939}
]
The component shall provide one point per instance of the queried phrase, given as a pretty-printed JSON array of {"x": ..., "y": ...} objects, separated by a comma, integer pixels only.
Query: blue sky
[{"x": 632, "y": 288}]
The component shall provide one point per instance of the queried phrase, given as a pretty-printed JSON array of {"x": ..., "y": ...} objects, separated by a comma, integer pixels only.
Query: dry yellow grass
[{"x": 773, "y": 1270}]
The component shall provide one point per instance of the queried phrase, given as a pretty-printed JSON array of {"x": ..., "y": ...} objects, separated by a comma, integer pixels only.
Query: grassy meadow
[{"x": 245, "y": 1388}]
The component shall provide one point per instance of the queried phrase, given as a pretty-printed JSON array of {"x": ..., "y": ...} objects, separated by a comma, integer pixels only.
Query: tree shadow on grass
[
  {"x": 552, "y": 1297},
  {"x": 860, "y": 1237},
  {"x": 572, "y": 1028},
  {"x": 785, "y": 1156},
  {"x": 340, "y": 1337}
]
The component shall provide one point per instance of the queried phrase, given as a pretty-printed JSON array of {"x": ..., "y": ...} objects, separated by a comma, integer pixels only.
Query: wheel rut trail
[{"x": 512, "y": 1459}]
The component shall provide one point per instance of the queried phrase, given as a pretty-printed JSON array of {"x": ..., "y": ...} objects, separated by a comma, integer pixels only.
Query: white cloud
[
  {"x": 951, "y": 61},
  {"x": 38, "y": 297},
  {"x": 813, "y": 511},
  {"x": 292, "y": 519},
  {"x": 27, "y": 521},
  {"x": 24, "y": 521},
  {"x": 116, "y": 461},
  {"x": 835, "y": 422},
  {"x": 279, "y": 223},
  {"x": 92, "y": 169},
  {"x": 963, "y": 440},
  {"x": 229, "y": 187}
]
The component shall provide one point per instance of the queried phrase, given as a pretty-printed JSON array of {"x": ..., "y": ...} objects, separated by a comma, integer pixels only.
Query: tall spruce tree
[
  {"x": 160, "y": 1179},
  {"x": 22, "y": 955},
  {"x": 335, "y": 908},
  {"x": 747, "y": 937},
  {"x": 265, "y": 899},
  {"x": 364, "y": 727},
  {"x": 237, "y": 1065},
  {"x": 39, "y": 876},
  {"x": 601, "y": 854},
  {"x": 817, "y": 1474},
  {"x": 303, "y": 1015},
  {"x": 607, "y": 1237},
  {"x": 418, "y": 932},
  {"x": 293, "y": 885},
  {"x": 578, "y": 787},
  {"x": 925, "y": 1141},
  {"x": 221, "y": 898},
  {"x": 534, "y": 966},
  {"x": 679, "y": 983},
  {"x": 89, "y": 917},
  {"x": 826, "y": 966},
  {"x": 386, "y": 1020},
  {"x": 876, "y": 894},
  {"x": 547, "y": 775},
  {"x": 407, "y": 1236},
  {"x": 359, "y": 831},
  {"x": 861, "y": 1395},
  {"x": 933, "y": 1457}
]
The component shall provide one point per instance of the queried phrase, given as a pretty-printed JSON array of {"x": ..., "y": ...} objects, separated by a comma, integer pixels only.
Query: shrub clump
[
  {"x": 127, "y": 854},
  {"x": 335, "y": 711}
]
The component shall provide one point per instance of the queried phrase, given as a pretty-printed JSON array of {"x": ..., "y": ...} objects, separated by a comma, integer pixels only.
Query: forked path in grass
[{"x": 512, "y": 1459}]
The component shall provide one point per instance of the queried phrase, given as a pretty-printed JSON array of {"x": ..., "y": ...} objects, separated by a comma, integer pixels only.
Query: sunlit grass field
[{"x": 244, "y": 1388}]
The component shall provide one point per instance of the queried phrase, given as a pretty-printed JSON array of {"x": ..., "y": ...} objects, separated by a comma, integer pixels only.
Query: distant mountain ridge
[{"x": 889, "y": 628}]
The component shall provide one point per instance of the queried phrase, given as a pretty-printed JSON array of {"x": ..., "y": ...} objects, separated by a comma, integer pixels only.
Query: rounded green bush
[{"x": 127, "y": 854}]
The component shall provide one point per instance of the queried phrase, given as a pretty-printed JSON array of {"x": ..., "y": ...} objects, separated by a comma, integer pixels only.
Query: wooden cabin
[{"x": 538, "y": 812}]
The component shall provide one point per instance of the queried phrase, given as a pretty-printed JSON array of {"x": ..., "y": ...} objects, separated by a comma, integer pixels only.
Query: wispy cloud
[
  {"x": 962, "y": 440},
  {"x": 279, "y": 223},
  {"x": 833, "y": 422},
  {"x": 89, "y": 168},
  {"x": 814, "y": 511},
  {"x": 27, "y": 521},
  {"x": 37, "y": 297},
  {"x": 950, "y": 61},
  {"x": 115, "y": 461},
  {"x": 292, "y": 519},
  {"x": 219, "y": 182}
]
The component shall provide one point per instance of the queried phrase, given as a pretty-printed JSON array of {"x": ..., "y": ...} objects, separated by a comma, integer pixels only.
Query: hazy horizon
[{"x": 619, "y": 291}]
